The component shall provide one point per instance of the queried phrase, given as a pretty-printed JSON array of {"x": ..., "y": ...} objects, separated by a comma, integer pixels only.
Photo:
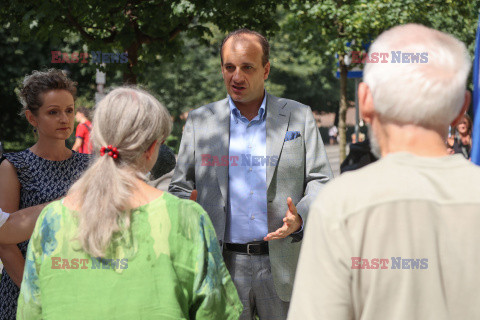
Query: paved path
[{"x": 333, "y": 154}]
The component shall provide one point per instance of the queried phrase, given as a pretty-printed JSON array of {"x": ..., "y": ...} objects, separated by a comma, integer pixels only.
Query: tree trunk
[
  {"x": 130, "y": 77},
  {"x": 342, "y": 113}
]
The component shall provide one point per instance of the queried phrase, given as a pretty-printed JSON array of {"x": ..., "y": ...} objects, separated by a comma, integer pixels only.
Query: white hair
[
  {"x": 428, "y": 94},
  {"x": 130, "y": 120}
]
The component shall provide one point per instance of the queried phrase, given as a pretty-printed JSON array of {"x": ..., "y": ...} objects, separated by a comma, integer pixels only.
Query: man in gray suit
[{"x": 257, "y": 162}]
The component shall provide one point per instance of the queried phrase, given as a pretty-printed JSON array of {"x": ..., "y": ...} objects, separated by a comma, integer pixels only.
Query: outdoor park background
[{"x": 173, "y": 48}]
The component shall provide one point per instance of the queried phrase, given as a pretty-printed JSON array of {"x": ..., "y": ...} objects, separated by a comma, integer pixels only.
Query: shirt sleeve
[
  {"x": 215, "y": 295},
  {"x": 301, "y": 228}
]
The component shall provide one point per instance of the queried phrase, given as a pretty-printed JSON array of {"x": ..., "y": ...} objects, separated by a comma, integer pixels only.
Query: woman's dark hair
[
  {"x": 469, "y": 123},
  {"x": 40, "y": 82}
]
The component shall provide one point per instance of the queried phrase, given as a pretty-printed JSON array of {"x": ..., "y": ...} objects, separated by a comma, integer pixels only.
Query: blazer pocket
[{"x": 294, "y": 145}]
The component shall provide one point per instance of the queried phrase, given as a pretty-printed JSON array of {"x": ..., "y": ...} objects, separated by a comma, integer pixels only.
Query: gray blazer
[{"x": 301, "y": 171}]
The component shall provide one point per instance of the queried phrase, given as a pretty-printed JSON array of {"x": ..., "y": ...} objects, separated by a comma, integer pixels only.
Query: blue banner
[{"x": 475, "y": 155}]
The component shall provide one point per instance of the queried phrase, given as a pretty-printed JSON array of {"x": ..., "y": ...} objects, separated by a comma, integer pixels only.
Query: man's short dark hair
[{"x": 239, "y": 33}]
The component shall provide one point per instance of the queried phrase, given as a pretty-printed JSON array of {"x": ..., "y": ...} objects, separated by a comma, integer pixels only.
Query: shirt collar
[{"x": 236, "y": 112}]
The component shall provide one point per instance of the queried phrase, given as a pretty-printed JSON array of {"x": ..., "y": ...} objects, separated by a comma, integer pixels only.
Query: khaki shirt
[{"x": 398, "y": 239}]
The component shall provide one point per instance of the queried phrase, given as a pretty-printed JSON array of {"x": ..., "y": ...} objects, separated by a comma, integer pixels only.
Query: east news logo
[
  {"x": 396, "y": 263},
  {"x": 96, "y": 263},
  {"x": 97, "y": 57}
]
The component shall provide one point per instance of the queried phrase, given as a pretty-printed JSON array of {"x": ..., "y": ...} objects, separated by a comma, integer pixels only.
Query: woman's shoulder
[
  {"x": 48, "y": 225},
  {"x": 183, "y": 205},
  {"x": 188, "y": 215},
  {"x": 17, "y": 159},
  {"x": 180, "y": 212},
  {"x": 56, "y": 214},
  {"x": 53, "y": 209},
  {"x": 81, "y": 160},
  {"x": 49, "y": 218},
  {"x": 83, "y": 157}
]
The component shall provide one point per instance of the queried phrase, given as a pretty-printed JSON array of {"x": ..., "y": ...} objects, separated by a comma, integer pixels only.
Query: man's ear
[
  {"x": 31, "y": 118},
  {"x": 221, "y": 71},
  {"x": 365, "y": 102},
  {"x": 266, "y": 71},
  {"x": 466, "y": 105},
  {"x": 150, "y": 150}
]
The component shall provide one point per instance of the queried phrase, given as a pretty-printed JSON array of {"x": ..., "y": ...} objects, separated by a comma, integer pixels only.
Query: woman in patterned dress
[
  {"x": 117, "y": 248},
  {"x": 41, "y": 173}
]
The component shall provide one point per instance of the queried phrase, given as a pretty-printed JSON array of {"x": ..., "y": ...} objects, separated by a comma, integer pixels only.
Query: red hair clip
[{"x": 111, "y": 151}]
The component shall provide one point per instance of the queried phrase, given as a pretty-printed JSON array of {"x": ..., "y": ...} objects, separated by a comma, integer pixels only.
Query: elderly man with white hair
[{"x": 399, "y": 238}]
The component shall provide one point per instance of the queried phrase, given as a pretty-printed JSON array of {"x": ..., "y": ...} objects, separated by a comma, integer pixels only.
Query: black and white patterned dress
[{"x": 41, "y": 181}]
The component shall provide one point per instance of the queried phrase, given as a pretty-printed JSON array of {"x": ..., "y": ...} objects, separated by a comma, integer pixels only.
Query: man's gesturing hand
[{"x": 291, "y": 223}]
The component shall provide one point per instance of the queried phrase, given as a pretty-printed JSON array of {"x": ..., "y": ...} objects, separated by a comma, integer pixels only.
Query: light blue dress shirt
[{"x": 247, "y": 210}]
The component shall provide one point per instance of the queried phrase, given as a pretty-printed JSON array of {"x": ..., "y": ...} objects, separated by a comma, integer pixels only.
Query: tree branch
[
  {"x": 77, "y": 26},
  {"x": 144, "y": 38},
  {"x": 181, "y": 27},
  {"x": 80, "y": 28}
]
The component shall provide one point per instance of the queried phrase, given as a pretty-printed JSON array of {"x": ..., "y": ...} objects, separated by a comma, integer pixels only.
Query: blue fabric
[
  {"x": 41, "y": 181},
  {"x": 475, "y": 154},
  {"x": 290, "y": 135},
  {"x": 247, "y": 177}
]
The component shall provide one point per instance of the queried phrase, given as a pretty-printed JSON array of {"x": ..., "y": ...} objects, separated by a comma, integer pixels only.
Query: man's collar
[{"x": 261, "y": 111}]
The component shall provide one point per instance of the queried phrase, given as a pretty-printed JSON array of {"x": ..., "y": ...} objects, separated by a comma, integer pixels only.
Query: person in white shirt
[{"x": 3, "y": 217}]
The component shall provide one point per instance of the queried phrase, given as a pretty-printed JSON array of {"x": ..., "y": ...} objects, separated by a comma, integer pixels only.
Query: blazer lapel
[
  {"x": 277, "y": 123},
  {"x": 221, "y": 125}
]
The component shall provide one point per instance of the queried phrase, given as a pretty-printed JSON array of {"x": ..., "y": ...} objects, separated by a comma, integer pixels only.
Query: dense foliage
[{"x": 173, "y": 46}]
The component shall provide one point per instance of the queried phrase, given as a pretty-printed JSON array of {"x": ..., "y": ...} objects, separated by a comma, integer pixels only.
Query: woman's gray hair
[{"x": 129, "y": 119}]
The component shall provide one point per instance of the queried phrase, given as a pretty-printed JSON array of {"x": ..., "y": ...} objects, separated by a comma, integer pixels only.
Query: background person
[
  {"x": 43, "y": 172},
  {"x": 462, "y": 141},
  {"x": 82, "y": 134},
  {"x": 162, "y": 171},
  {"x": 405, "y": 244},
  {"x": 333, "y": 133},
  {"x": 159, "y": 254},
  {"x": 359, "y": 155}
]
